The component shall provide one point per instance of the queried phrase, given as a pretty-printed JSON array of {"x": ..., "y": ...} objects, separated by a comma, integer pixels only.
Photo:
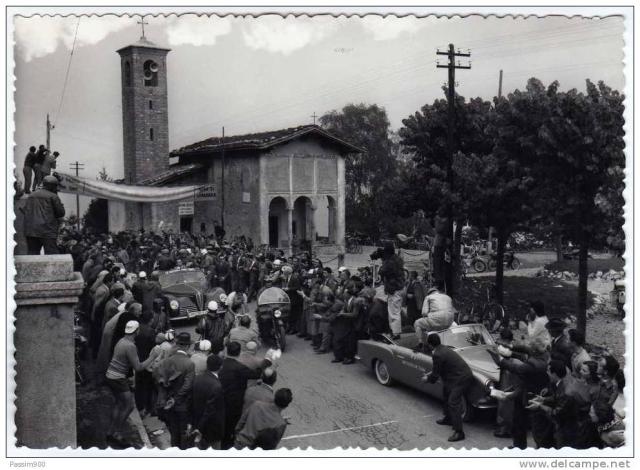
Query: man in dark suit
[
  {"x": 561, "y": 348},
  {"x": 456, "y": 380},
  {"x": 233, "y": 377},
  {"x": 176, "y": 376},
  {"x": 291, "y": 284},
  {"x": 208, "y": 405},
  {"x": 262, "y": 390}
]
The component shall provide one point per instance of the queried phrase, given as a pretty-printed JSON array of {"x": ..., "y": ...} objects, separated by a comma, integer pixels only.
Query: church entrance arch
[
  {"x": 332, "y": 218},
  {"x": 302, "y": 224},
  {"x": 277, "y": 222}
]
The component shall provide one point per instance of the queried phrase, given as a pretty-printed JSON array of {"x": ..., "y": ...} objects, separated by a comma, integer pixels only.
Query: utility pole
[
  {"x": 77, "y": 166},
  {"x": 451, "y": 66},
  {"x": 490, "y": 247},
  {"x": 222, "y": 185},
  {"x": 50, "y": 127}
]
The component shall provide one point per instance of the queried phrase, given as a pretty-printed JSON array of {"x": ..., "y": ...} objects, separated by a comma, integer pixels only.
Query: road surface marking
[
  {"x": 383, "y": 423},
  {"x": 299, "y": 436}
]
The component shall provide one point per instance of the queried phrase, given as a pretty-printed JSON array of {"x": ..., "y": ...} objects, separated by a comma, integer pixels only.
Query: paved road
[{"x": 343, "y": 405}]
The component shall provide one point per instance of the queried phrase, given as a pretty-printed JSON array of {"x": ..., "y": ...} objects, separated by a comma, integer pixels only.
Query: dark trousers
[
  {"x": 541, "y": 429},
  {"x": 452, "y": 403},
  {"x": 34, "y": 244},
  {"x": 232, "y": 416},
  {"x": 144, "y": 391},
  {"x": 26, "y": 171},
  {"x": 520, "y": 423},
  {"x": 177, "y": 422},
  {"x": 344, "y": 343}
]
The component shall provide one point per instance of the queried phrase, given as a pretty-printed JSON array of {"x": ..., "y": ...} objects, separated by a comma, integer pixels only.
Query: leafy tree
[
  {"x": 581, "y": 150},
  {"x": 424, "y": 134},
  {"x": 96, "y": 217},
  {"x": 366, "y": 126}
]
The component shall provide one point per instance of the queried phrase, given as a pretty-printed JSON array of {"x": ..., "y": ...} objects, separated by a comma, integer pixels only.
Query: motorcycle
[
  {"x": 510, "y": 261},
  {"x": 475, "y": 262},
  {"x": 272, "y": 315}
]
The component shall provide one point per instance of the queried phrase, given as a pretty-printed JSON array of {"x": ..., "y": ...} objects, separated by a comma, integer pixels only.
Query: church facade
[{"x": 283, "y": 188}]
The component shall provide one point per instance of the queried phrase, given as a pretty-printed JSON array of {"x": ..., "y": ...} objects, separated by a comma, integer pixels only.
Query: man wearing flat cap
[
  {"x": 560, "y": 345},
  {"x": 176, "y": 376},
  {"x": 43, "y": 212}
]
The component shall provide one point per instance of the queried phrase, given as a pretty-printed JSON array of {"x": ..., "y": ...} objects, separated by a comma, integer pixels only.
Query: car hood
[
  {"x": 480, "y": 360},
  {"x": 183, "y": 289}
]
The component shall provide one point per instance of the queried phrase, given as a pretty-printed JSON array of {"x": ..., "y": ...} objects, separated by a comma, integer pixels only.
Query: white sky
[{"x": 266, "y": 73}]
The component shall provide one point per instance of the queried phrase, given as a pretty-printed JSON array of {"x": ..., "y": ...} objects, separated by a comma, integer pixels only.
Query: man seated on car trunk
[{"x": 437, "y": 314}]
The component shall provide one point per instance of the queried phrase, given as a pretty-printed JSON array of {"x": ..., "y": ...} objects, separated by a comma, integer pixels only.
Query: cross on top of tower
[
  {"x": 314, "y": 116},
  {"x": 142, "y": 22}
]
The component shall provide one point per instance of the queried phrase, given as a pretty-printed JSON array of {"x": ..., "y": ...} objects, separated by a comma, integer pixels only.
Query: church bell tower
[{"x": 145, "y": 122}]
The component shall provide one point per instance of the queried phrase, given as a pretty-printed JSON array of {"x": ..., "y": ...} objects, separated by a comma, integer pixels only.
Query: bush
[
  {"x": 595, "y": 265},
  {"x": 559, "y": 302}
]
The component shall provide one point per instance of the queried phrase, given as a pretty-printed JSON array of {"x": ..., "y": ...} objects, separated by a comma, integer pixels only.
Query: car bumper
[{"x": 486, "y": 403}]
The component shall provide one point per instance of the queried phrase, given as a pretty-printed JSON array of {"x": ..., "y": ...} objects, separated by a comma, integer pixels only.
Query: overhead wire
[{"x": 66, "y": 76}]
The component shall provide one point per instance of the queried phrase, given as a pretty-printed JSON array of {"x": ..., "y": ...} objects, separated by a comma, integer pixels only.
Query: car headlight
[
  {"x": 489, "y": 384},
  {"x": 174, "y": 305},
  {"x": 277, "y": 314}
]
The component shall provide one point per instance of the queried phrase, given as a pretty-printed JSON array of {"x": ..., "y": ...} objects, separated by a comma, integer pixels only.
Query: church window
[
  {"x": 151, "y": 134},
  {"x": 127, "y": 73},
  {"x": 150, "y": 104}
]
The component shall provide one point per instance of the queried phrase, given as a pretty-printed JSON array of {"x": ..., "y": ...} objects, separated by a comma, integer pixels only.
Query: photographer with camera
[{"x": 392, "y": 275}]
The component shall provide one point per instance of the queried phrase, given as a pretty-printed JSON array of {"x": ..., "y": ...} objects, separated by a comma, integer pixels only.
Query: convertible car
[
  {"x": 396, "y": 361},
  {"x": 185, "y": 293}
]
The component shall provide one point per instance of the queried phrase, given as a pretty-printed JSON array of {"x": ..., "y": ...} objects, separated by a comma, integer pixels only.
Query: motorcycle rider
[{"x": 213, "y": 327}]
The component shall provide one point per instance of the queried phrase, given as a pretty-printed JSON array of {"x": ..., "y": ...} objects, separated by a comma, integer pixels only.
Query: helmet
[
  {"x": 49, "y": 179},
  {"x": 212, "y": 306}
]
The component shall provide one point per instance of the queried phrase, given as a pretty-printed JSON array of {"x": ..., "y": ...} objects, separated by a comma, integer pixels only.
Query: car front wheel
[
  {"x": 468, "y": 411},
  {"x": 382, "y": 373}
]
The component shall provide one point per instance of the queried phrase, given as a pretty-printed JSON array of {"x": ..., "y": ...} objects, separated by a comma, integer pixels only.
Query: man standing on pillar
[{"x": 42, "y": 213}]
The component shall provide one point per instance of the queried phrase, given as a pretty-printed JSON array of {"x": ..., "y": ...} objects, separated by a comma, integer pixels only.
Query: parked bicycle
[{"x": 490, "y": 313}]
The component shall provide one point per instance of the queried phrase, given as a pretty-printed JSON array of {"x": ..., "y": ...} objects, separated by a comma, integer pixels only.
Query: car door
[{"x": 411, "y": 366}]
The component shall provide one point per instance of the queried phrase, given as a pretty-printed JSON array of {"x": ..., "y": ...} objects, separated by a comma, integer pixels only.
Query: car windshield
[
  {"x": 466, "y": 335},
  {"x": 180, "y": 277}
]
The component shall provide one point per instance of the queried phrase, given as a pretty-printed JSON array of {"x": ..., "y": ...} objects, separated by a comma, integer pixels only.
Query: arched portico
[
  {"x": 303, "y": 224},
  {"x": 279, "y": 220}
]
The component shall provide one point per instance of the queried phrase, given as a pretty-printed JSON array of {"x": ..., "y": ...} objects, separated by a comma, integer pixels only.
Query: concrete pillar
[
  {"x": 290, "y": 229},
  {"x": 340, "y": 219},
  {"x": 47, "y": 291},
  {"x": 265, "y": 199},
  {"x": 311, "y": 218}
]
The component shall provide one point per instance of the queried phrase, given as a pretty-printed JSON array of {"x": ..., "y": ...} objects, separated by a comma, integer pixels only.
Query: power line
[{"x": 66, "y": 77}]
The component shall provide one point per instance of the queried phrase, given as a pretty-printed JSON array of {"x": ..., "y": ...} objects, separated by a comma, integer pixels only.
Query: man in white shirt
[{"x": 437, "y": 314}]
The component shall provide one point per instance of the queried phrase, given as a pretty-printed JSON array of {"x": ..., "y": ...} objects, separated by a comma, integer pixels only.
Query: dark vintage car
[
  {"x": 396, "y": 361},
  {"x": 185, "y": 293}
]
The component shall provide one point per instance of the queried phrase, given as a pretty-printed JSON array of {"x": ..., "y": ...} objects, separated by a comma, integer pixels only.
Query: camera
[{"x": 377, "y": 253}]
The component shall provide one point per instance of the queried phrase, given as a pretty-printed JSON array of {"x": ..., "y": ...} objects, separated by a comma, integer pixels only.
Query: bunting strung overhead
[{"x": 123, "y": 192}]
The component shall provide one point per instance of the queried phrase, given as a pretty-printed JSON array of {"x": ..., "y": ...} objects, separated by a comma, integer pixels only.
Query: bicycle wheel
[
  {"x": 515, "y": 264},
  {"x": 479, "y": 266},
  {"x": 492, "y": 265}
]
